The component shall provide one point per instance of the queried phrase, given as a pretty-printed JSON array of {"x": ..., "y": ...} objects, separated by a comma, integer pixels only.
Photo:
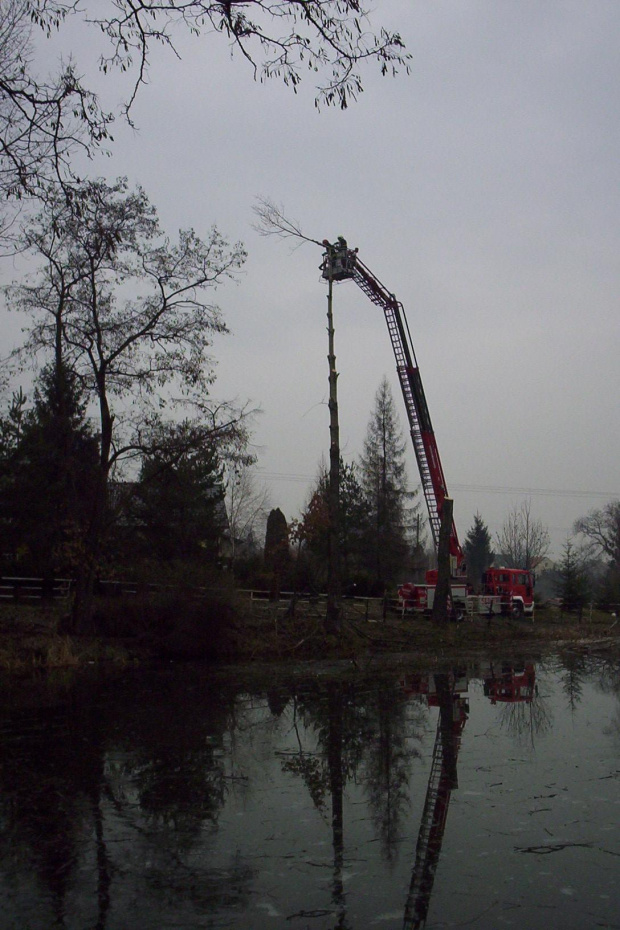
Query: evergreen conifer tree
[
  {"x": 47, "y": 474},
  {"x": 572, "y": 580},
  {"x": 180, "y": 507},
  {"x": 478, "y": 552},
  {"x": 277, "y": 555},
  {"x": 384, "y": 481}
]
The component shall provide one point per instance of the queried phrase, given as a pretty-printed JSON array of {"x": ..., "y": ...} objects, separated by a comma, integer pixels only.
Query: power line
[
  {"x": 486, "y": 488},
  {"x": 540, "y": 492},
  {"x": 281, "y": 476}
]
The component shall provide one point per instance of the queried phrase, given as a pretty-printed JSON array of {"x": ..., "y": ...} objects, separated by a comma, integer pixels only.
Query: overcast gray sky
[{"x": 483, "y": 190}]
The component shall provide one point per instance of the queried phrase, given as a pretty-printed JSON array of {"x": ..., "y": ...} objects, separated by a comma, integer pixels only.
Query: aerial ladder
[{"x": 341, "y": 263}]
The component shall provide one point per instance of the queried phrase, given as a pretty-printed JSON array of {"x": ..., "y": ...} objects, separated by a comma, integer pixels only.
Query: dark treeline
[
  {"x": 189, "y": 515},
  {"x": 118, "y": 459}
]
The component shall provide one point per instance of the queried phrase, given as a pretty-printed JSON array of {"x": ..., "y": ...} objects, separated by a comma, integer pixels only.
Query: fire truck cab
[{"x": 514, "y": 587}]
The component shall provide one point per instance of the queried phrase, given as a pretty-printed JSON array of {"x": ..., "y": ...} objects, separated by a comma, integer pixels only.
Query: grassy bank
[{"x": 237, "y": 630}]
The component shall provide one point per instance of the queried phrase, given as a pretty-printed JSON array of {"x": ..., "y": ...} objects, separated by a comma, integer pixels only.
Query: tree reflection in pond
[
  {"x": 179, "y": 799},
  {"x": 527, "y": 720},
  {"x": 360, "y": 735}
]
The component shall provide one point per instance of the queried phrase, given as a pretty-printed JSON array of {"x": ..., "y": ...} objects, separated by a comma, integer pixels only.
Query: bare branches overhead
[
  {"x": 43, "y": 121},
  {"x": 281, "y": 39}
]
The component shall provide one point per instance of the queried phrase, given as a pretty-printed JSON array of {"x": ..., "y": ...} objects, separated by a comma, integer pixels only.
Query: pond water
[{"x": 482, "y": 796}]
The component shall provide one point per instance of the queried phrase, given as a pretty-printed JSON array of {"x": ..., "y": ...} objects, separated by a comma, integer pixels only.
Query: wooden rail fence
[
  {"x": 31, "y": 590},
  {"x": 28, "y": 590}
]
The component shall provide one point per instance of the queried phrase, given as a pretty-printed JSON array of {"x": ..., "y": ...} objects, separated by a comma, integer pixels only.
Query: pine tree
[
  {"x": 48, "y": 466},
  {"x": 180, "y": 507},
  {"x": 572, "y": 585},
  {"x": 384, "y": 481},
  {"x": 353, "y": 522},
  {"x": 277, "y": 555},
  {"x": 478, "y": 552},
  {"x": 354, "y": 526}
]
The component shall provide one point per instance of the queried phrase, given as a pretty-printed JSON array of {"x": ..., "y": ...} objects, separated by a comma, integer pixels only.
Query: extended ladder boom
[{"x": 341, "y": 263}]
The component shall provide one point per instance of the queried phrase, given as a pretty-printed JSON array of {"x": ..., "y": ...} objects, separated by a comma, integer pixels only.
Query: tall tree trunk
[
  {"x": 82, "y": 620},
  {"x": 83, "y": 603},
  {"x": 442, "y": 589},
  {"x": 333, "y": 620}
]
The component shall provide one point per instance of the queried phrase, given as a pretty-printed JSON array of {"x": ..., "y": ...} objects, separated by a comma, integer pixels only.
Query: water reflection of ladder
[{"x": 442, "y": 780}]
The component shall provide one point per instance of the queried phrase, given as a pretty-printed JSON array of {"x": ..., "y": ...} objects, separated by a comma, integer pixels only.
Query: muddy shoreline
[{"x": 29, "y": 641}]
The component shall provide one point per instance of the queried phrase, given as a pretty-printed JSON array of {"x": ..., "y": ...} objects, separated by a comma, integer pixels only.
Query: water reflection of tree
[
  {"x": 607, "y": 677},
  {"x": 51, "y": 793},
  {"x": 388, "y": 763},
  {"x": 134, "y": 777},
  {"x": 97, "y": 760},
  {"x": 167, "y": 741},
  {"x": 179, "y": 787},
  {"x": 527, "y": 720},
  {"x": 308, "y": 765},
  {"x": 169, "y": 791},
  {"x": 572, "y": 675},
  {"x": 360, "y": 734},
  {"x": 333, "y": 713}
]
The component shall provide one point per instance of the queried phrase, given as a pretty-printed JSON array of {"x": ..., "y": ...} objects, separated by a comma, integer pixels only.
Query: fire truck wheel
[{"x": 516, "y": 611}]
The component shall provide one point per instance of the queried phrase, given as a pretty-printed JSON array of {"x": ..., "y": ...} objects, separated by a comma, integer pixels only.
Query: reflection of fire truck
[
  {"x": 506, "y": 591},
  {"x": 509, "y": 685},
  {"x": 448, "y": 692}
]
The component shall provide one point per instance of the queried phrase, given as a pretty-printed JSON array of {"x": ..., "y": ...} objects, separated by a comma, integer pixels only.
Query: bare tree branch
[
  {"x": 272, "y": 221},
  {"x": 282, "y": 39},
  {"x": 43, "y": 121},
  {"x": 602, "y": 529}
]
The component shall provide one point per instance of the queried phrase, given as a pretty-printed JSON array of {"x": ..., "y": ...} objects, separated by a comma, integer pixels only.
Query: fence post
[{"x": 47, "y": 589}]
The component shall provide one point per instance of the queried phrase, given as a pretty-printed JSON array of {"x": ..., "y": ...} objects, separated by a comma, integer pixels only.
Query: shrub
[{"x": 181, "y": 623}]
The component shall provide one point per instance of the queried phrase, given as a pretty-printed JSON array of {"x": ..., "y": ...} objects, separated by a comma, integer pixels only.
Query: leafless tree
[
  {"x": 602, "y": 530},
  {"x": 523, "y": 541},
  {"x": 525, "y": 721},
  {"x": 129, "y": 312},
  {"x": 247, "y": 506}
]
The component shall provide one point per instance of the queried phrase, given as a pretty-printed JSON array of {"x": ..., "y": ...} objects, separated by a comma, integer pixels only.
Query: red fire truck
[{"x": 505, "y": 591}]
